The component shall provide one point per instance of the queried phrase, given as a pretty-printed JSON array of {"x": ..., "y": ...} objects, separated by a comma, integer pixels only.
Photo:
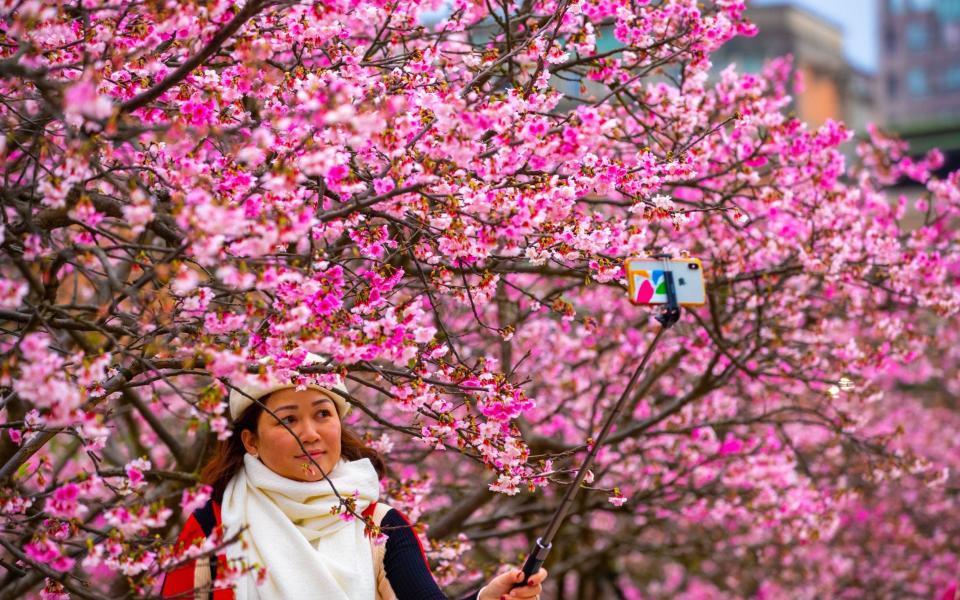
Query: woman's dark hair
[{"x": 227, "y": 458}]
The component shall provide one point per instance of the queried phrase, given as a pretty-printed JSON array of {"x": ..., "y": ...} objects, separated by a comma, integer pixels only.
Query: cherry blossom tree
[{"x": 438, "y": 198}]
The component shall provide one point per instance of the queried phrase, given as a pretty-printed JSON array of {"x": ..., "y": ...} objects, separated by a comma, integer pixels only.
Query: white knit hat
[{"x": 244, "y": 395}]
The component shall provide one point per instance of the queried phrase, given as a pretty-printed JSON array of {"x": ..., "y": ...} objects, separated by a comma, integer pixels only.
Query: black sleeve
[{"x": 405, "y": 562}]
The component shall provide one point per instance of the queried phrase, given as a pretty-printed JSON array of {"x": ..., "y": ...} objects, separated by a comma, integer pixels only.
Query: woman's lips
[{"x": 312, "y": 453}]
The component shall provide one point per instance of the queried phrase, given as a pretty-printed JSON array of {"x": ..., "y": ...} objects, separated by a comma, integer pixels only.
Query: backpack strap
[
  {"x": 380, "y": 512},
  {"x": 377, "y": 511},
  {"x": 206, "y": 517}
]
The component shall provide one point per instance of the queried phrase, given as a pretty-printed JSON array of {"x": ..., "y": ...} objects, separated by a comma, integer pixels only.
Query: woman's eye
[
  {"x": 324, "y": 413},
  {"x": 288, "y": 420}
]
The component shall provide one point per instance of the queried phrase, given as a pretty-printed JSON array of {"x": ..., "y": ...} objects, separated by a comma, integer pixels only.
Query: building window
[
  {"x": 917, "y": 82},
  {"x": 951, "y": 34},
  {"x": 917, "y": 37},
  {"x": 893, "y": 86},
  {"x": 948, "y": 10},
  {"x": 951, "y": 78},
  {"x": 890, "y": 39}
]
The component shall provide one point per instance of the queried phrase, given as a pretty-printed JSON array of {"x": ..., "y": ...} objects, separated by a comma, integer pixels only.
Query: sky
[{"x": 857, "y": 19}]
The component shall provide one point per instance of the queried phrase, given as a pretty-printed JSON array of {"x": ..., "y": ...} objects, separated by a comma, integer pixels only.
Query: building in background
[
  {"x": 919, "y": 61},
  {"x": 832, "y": 88},
  {"x": 919, "y": 78}
]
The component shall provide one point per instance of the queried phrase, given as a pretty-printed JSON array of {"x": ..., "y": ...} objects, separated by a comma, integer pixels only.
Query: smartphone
[{"x": 647, "y": 285}]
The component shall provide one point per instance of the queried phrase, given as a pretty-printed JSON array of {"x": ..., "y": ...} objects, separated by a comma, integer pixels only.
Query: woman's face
[{"x": 313, "y": 417}]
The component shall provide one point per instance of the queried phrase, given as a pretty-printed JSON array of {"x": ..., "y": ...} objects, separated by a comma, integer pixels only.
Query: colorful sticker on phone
[{"x": 651, "y": 288}]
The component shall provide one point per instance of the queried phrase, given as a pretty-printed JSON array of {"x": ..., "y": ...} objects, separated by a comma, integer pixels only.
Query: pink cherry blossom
[{"x": 202, "y": 193}]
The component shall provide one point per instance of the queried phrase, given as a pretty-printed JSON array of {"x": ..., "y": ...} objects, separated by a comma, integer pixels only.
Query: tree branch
[{"x": 195, "y": 61}]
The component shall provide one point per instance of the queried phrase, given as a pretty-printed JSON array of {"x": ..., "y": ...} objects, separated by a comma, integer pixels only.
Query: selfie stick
[{"x": 541, "y": 548}]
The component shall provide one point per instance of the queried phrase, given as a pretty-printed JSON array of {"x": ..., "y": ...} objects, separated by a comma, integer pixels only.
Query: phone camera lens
[{"x": 693, "y": 266}]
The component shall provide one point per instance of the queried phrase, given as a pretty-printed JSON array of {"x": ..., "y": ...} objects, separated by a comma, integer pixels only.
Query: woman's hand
[{"x": 501, "y": 586}]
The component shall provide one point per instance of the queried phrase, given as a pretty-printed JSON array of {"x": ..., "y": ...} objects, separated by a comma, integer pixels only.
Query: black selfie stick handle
[{"x": 538, "y": 554}]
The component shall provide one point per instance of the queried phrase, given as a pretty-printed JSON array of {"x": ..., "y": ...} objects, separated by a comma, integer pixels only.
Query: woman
[{"x": 271, "y": 485}]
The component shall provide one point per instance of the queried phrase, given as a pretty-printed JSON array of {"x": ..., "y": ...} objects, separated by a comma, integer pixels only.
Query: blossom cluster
[{"x": 438, "y": 197}]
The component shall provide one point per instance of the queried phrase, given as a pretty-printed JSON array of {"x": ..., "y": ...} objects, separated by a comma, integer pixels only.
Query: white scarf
[{"x": 308, "y": 552}]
